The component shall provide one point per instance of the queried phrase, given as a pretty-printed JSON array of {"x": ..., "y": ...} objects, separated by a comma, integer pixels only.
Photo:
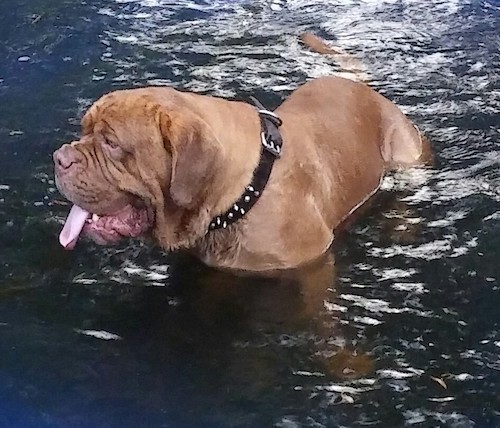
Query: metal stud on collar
[
  {"x": 271, "y": 142},
  {"x": 270, "y": 145}
]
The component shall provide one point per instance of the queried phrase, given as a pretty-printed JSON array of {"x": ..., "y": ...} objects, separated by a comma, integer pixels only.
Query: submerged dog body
[{"x": 160, "y": 160}]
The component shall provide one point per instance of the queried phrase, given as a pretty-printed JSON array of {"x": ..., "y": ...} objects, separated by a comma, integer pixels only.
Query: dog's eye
[
  {"x": 110, "y": 144},
  {"x": 112, "y": 148}
]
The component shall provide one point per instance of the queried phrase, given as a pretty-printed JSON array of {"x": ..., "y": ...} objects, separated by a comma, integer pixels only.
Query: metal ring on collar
[{"x": 270, "y": 113}]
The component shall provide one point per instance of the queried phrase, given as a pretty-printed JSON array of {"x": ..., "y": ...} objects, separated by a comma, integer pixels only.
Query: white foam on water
[
  {"x": 387, "y": 274},
  {"x": 144, "y": 273},
  {"x": 290, "y": 421},
  {"x": 411, "y": 287},
  {"x": 344, "y": 389},
  {"x": 462, "y": 377},
  {"x": 366, "y": 320},
  {"x": 84, "y": 281},
  {"x": 409, "y": 179},
  {"x": 354, "y": 28},
  {"x": 371, "y": 305},
  {"x": 307, "y": 373},
  {"x": 99, "y": 334},
  {"x": 448, "y": 247},
  {"x": 441, "y": 399},
  {"x": 455, "y": 185},
  {"x": 450, "y": 218},
  {"x": 154, "y": 275},
  {"x": 494, "y": 216},
  {"x": 399, "y": 374},
  {"x": 414, "y": 417},
  {"x": 334, "y": 307},
  {"x": 453, "y": 419}
]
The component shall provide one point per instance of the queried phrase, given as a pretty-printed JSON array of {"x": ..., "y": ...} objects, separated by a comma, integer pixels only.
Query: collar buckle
[
  {"x": 270, "y": 136},
  {"x": 269, "y": 145}
]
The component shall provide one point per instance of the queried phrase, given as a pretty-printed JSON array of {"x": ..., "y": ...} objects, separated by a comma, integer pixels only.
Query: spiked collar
[{"x": 271, "y": 146}]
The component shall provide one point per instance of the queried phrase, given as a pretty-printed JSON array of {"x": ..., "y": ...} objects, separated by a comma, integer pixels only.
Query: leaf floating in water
[
  {"x": 99, "y": 334},
  {"x": 440, "y": 381}
]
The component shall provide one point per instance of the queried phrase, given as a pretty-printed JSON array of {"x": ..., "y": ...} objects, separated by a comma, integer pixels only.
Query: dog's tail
[{"x": 351, "y": 67}]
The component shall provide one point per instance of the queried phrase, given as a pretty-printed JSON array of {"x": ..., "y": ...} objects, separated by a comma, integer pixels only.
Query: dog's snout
[{"x": 67, "y": 156}]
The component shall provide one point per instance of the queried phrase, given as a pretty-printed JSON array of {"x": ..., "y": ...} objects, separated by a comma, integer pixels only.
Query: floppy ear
[{"x": 196, "y": 154}]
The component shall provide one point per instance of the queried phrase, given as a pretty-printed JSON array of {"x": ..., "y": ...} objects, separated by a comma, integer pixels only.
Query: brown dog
[{"x": 167, "y": 162}]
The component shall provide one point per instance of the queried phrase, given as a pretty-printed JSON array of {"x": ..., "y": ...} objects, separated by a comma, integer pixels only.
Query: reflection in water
[
  {"x": 401, "y": 330},
  {"x": 208, "y": 345}
]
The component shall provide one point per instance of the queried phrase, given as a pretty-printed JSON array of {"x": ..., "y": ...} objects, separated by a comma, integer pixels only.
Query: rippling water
[{"x": 398, "y": 326}]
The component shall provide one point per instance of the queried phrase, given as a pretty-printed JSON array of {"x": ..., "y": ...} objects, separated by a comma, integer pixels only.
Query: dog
[{"x": 239, "y": 186}]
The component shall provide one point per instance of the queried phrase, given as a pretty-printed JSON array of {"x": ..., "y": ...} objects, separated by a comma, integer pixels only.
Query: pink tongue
[{"x": 73, "y": 226}]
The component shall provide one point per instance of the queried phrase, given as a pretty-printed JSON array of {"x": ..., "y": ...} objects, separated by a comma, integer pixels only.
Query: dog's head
[{"x": 145, "y": 163}]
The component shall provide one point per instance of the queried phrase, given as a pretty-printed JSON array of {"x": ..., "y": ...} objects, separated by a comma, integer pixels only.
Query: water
[{"x": 398, "y": 326}]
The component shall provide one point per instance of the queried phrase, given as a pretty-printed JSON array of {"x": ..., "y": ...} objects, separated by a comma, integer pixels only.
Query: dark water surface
[{"x": 402, "y": 329}]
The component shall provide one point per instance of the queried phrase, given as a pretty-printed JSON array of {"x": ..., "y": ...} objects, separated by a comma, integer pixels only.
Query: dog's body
[
  {"x": 188, "y": 158},
  {"x": 339, "y": 139}
]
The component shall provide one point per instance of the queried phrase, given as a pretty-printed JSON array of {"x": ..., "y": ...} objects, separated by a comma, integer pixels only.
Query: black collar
[{"x": 271, "y": 150}]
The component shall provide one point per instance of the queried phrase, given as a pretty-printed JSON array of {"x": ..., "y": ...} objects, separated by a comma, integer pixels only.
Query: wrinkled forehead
[
  {"x": 133, "y": 115},
  {"x": 120, "y": 110},
  {"x": 119, "y": 119},
  {"x": 138, "y": 101}
]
